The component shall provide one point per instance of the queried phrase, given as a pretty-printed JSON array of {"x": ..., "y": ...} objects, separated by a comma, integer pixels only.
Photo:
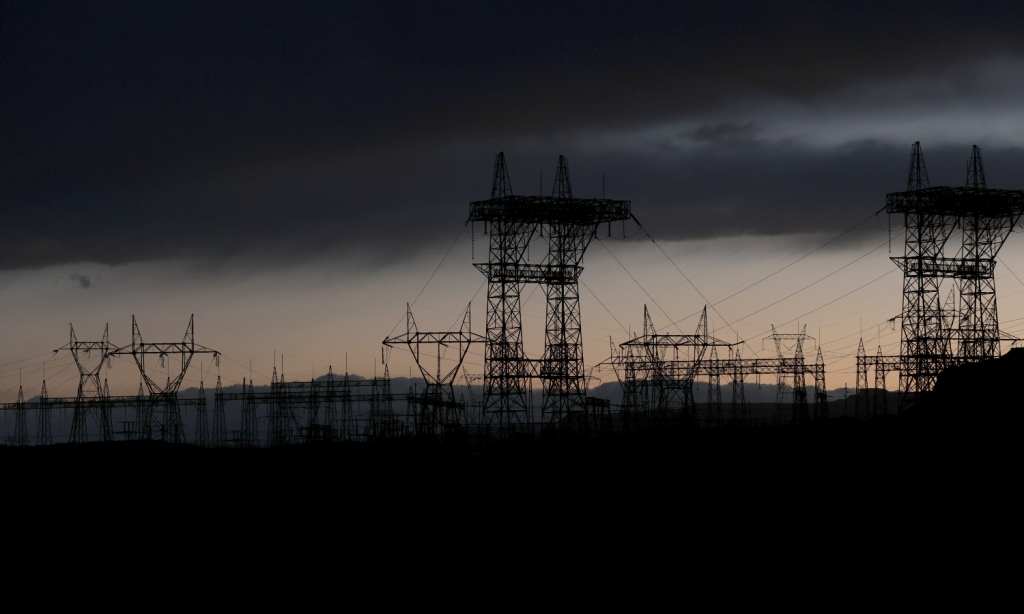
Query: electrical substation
[{"x": 949, "y": 318}]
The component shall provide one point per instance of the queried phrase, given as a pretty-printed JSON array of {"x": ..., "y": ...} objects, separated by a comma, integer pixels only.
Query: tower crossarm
[
  {"x": 957, "y": 201},
  {"x": 549, "y": 209},
  {"x": 747, "y": 366},
  {"x": 70, "y": 403},
  {"x": 752, "y": 366},
  {"x": 886, "y": 362},
  {"x": 445, "y": 338},
  {"x": 673, "y": 341},
  {"x": 162, "y": 349},
  {"x": 945, "y": 267},
  {"x": 516, "y": 272},
  {"x": 86, "y": 346},
  {"x": 88, "y": 375},
  {"x": 186, "y": 349},
  {"x": 460, "y": 340}
]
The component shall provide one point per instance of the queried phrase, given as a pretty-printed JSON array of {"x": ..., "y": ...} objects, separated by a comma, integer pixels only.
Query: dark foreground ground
[
  {"x": 918, "y": 503},
  {"x": 840, "y": 500},
  {"x": 839, "y": 463}
]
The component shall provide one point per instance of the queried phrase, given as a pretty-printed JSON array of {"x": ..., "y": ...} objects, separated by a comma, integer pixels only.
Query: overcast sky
[{"x": 294, "y": 174}]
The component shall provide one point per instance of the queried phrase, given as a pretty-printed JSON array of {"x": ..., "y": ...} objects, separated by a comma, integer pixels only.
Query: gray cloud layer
[{"x": 135, "y": 131}]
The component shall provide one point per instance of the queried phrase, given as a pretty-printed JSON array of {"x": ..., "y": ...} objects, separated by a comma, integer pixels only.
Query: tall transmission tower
[
  {"x": 511, "y": 222},
  {"x": 985, "y": 217},
  {"x": 987, "y": 222}
]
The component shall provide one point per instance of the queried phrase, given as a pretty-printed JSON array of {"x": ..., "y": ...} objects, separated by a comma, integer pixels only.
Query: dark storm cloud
[
  {"x": 82, "y": 280},
  {"x": 146, "y": 130},
  {"x": 728, "y": 131}
]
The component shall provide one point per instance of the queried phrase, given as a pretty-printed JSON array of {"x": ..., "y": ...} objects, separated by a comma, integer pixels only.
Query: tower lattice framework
[
  {"x": 512, "y": 222},
  {"x": 90, "y": 398},
  {"x": 934, "y": 337}
]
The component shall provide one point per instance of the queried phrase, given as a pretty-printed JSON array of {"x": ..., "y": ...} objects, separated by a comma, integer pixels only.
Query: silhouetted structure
[
  {"x": 511, "y": 222},
  {"x": 436, "y": 411},
  {"x": 935, "y": 337},
  {"x": 164, "y": 397},
  {"x": 657, "y": 374},
  {"x": 90, "y": 398}
]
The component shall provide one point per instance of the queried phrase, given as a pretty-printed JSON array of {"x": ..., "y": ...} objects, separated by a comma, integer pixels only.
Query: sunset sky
[{"x": 294, "y": 176}]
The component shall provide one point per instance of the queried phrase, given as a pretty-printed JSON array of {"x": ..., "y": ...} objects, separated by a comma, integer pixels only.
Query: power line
[
  {"x": 605, "y": 307},
  {"x": 639, "y": 285},
  {"x": 792, "y": 294}
]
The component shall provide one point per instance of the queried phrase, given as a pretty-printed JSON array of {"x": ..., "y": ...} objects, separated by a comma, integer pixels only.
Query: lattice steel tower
[
  {"x": 985, "y": 217},
  {"x": 90, "y": 397},
  {"x": 511, "y": 222}
]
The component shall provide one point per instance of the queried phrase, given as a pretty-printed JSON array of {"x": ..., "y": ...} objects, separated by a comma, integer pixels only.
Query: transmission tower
[
  {"x": 820, "y": 393},
  {"x": 511, "y": 222},
  {"x": 281, "y": 418},
  {"x": 44, "y": 432},
  {"x": 714, "y": 389},
  {"x": 249, "y": 435},
  {"x": 436, "y": 411},
  {"x": 220, "y": 429},
  {"x": 860, "y": 405},
  {"x": 985, "y": 217},
  {"x": 90, "y": 388},
  {"x": 320, "y": 421},
  {"x": 381, "y": 422},
  {"x": 562, "y": 366},
  {"x": 739, "y": 412},
  {"x": 20, "y": 419},
  {"x": 164, "y": 397},
  {"x": 986, "y": 225},
  {"x": 202, "y": 437},
  {"x": 881, "y": 404},
  {"x": 792, "y": 370},
  {"x": 657, "y": 373},
  {"x": 348, "y": 429},
  {"x": 331, "y": 406}
]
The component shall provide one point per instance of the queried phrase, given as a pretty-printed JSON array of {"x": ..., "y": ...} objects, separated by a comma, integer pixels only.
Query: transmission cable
[
  {"x": 639, "y": 284},
  {"x": 436, "y": 269},
  {"x": 832, "y": 240},
  {"x": 697, "y": 290},
  {"x": 605, "y": 307},
  {"x": 808, "y": 254},
  {"x": 834, "y": 300},
  {"x": 813, "y": 283},
  {"x": 1011, "y": 271}
]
